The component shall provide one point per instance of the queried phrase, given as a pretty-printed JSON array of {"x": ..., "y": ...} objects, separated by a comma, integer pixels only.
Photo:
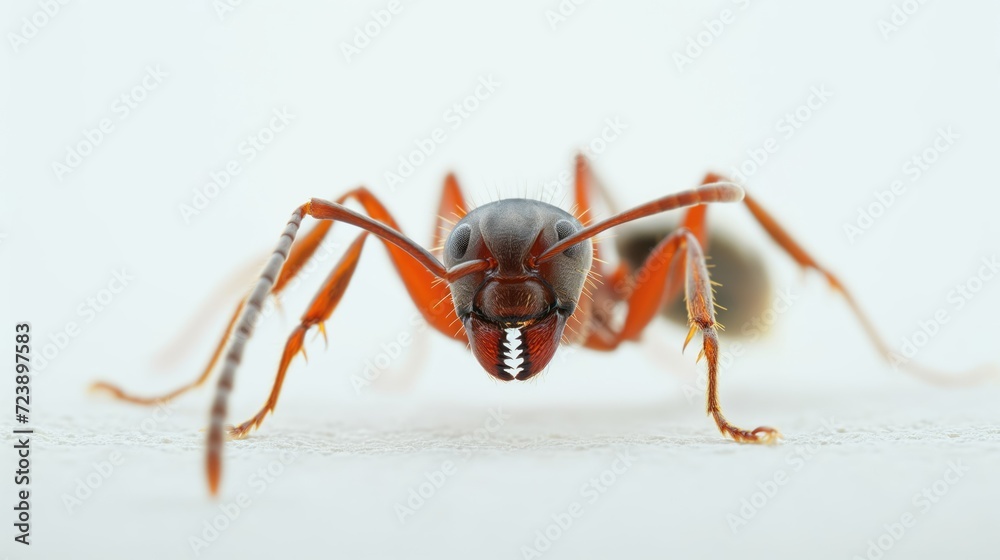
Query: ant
[{"x": 511, "y": 285}]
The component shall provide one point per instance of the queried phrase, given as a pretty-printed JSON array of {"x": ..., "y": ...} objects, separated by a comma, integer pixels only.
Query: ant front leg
[
  {"x": 321, "y": 308},
  {"x": 701, "y": 313},
  {"x": 644, "y": 300},
  {"x": 416, "y": 266},
  {"x": 326, "y": 300},
  {"x": 663, "y": 274}
]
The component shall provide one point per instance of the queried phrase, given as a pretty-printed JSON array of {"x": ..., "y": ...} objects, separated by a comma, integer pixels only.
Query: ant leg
[
  {"x": 694, "y": 220},
  {"x": 804, "y": 259},
  {"x": 644, "y": 302},
  {"x": 701, "y": 311},
  {"x": 416, "y": 266},
  {"x": 591, "y": 323},
  {"x": 186, "y": 338},
  {"x": 452, "y": 203},
  {"x": 119, "y": 393},
  {"x": 326, "y": 300},
  {"x": 297, "y": 258},
  {"x": 451, "y": 208},
  {"x": 429, "y": 292},
  {"x": 322, "y": 306}
]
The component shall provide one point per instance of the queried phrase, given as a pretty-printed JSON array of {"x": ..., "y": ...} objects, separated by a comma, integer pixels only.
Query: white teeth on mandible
[{"x": 512, "y": 355}]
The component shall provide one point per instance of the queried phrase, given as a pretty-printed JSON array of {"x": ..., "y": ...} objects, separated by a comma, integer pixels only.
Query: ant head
[{"x": 515, "y": 311}]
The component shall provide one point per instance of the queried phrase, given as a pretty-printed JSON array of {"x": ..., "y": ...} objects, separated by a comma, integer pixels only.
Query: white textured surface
[{"x": 353, "y": 464}]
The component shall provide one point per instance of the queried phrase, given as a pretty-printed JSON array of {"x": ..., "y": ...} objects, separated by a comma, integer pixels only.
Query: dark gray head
[{"x": 514, "y": 312}]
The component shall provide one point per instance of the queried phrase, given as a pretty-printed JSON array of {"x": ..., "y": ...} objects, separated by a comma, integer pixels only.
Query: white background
[{"x": 359, "y": 454}]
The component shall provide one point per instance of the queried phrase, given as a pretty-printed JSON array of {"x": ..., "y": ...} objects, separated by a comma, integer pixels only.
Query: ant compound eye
[
  {"x": 458, "y": 242},
  {"x": 564, "y": 229}
]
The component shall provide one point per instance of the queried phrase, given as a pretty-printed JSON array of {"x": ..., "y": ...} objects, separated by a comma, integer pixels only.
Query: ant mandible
[{"x": 515, "y": 271}]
